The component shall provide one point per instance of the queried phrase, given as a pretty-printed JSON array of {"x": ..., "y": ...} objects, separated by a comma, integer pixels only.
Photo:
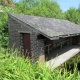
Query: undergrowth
[{"x": 17, "y": 68}]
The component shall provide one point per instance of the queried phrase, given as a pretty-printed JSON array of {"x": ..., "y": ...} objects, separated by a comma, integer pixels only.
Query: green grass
[{"x": 13, "y": 67}]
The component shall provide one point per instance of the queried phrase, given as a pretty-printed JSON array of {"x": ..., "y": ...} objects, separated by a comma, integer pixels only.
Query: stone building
[{"x": 39, "y": 36}]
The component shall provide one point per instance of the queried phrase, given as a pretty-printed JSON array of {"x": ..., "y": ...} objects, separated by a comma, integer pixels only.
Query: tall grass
[{"x": 17, "y": 68}]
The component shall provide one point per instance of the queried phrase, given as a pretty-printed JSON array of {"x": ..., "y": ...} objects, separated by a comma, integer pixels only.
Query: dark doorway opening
[{"x": 26, "y": 44}]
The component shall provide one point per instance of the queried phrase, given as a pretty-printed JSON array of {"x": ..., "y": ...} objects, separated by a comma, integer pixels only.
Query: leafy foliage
[
  {"x": 6, "y": 2},
  {"x": 45, "y": 8},
  {"x": 13, "y": 67},
  {"x": 72, "y": 15},
  {"x": 4, "y": 26}
]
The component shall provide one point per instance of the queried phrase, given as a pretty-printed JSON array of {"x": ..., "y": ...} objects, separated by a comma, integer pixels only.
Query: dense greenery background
[{"x": 44, "y": 8}]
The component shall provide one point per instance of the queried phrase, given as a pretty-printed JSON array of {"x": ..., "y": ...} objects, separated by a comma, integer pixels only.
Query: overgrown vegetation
[{"x": 13, "y": 67}]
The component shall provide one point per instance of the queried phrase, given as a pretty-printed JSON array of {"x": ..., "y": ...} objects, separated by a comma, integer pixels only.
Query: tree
[
  {"x": 4, "y": 25},
  {"x": 78, "y": 14},
  {"x": 7, "y": 2},
  {"x": 72, "y": 15},
  {"x": 78, "y": 8},
  {"x": 45, "y": 8}
]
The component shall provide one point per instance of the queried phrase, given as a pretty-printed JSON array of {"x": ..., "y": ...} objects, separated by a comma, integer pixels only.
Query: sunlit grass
[{"x": 17, "y": 68}]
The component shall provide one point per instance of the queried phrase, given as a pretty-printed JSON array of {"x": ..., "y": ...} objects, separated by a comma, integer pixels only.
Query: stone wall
[
  {"x": 16, "y": 39},
  {"x": 37, "y": 48}
]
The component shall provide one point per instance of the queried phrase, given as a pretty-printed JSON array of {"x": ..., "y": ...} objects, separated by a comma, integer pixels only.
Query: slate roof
[{"x": 49, "y": 26}]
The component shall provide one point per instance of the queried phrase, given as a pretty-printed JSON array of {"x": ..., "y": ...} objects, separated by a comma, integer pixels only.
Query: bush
[
  {"x": 13, "y": 67},
  {"x": 4, "y": 25}
]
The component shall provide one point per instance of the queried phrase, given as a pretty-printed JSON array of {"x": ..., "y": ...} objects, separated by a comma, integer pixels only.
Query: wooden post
[
  {"x": 68, "y": 43},
  {"x": 61, "y": 45},
  {"x": 70, "y": 40},
  {"x": 48, "y": 49}
]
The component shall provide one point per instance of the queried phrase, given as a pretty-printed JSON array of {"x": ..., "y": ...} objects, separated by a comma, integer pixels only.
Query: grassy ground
[{"x": 13, "y": 67}]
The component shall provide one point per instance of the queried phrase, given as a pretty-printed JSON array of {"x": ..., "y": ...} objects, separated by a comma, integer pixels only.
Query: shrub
[{"x": 13, "y": 67}]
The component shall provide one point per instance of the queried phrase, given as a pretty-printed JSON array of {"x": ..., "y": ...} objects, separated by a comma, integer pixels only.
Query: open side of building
[{"x": 40, "y": 37}]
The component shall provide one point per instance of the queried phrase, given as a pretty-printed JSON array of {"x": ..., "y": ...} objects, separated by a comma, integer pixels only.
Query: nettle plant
[{"x": 13, "y": 67}]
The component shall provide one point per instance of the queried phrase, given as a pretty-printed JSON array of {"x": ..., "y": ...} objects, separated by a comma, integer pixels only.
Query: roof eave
[
  {"x": 54, "y": 38},
  {"x": 37, "y": 31}
]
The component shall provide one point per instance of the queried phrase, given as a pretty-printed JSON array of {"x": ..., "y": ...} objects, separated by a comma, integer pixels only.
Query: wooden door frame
[{"x": 26, "y": 37}]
